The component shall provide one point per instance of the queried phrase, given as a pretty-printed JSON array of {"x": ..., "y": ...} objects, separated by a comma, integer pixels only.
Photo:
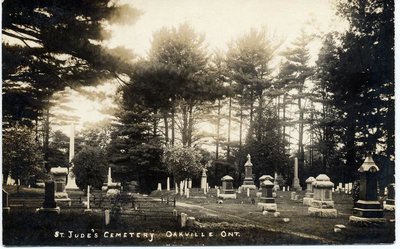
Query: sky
[{"x": 221, "y": 21}]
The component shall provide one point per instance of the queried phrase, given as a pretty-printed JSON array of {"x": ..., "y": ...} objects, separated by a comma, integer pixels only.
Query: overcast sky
[
  {"x": 224, "y": 20},
  {"x": 221, "y": 21}
]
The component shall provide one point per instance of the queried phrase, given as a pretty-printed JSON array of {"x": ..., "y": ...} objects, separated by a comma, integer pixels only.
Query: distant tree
[
  {"x": 297, "y": 71},
  {"x": 182, "y": 162},
  {"x": 90, "y": 167},
  {"x": 58, "y": 150},
  {"x": 22, "y": 156}
]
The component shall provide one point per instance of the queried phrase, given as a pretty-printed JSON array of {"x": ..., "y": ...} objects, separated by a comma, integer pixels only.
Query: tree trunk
[
  {"x": 228, "y": 149},
  {"x": 166, "y": 128},
  {"x": 173, "y": 126},
  {"x": 218, "y": 128}
]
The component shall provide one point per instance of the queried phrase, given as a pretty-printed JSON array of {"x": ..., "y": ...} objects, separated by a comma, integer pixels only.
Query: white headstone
[
  {"x": 340, "y": 185},
  {"x": 88, "y": 197},
  {"x": 187, "y": 192},
  {"x": 168, "y": 187},
  {"x": 185, "y": 184},
  {"x": 350, "y": 187},
  {"x": 346, "y": 188},
  {"x": 176, "y": 188},
  {"x": 107, "y": 217},
  {"x": 248, "y": 192},
  {"x": 183, "y": 219},
  {"x": 240, "y": 190},
  {"x": 181, "y": 185},
  {"x": 159, "y": 187},
  {"x": 190, "y": 183},
  {"x": 284, "y": 189},
  {"x": 218, "y": 192}
]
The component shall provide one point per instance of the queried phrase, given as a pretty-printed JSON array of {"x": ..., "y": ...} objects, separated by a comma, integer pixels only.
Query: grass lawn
[{"x": 235, "y": 222}]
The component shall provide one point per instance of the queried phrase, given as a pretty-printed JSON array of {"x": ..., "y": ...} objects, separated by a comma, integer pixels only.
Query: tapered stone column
[{"x": 71, "y": 184}]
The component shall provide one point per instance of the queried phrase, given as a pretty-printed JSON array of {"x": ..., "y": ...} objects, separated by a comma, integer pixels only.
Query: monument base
[
  {"x": 270, "y": 207},
  {"x": 71, "y": 186},
  {"x": 322, "y": 212},
  {"x": 113, "y": 192},
  {"x": 87, "y": 210},
  {"x": 361, "y": 221},
  {"x": 296, "y": 185},
  {"x": 227, "y": 196},
  {"x": 251, "y": 186},
  {"x": 368, "y": 209},
  {"x": 55, "y": 210},
  {"x": 68, "y": 200},
  {"x": 388, "y": 207},
  {"x": 307, "y": 201},
  {"x": 310, "y": 195},
  {"x": 322, "y": 204}
]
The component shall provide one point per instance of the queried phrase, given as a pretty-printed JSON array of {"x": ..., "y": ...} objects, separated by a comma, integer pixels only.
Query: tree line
[{"x": 252, "y": 98}]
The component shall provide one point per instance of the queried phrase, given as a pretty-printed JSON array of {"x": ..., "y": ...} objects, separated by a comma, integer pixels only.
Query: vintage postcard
[{"x": 198, "y": 123}]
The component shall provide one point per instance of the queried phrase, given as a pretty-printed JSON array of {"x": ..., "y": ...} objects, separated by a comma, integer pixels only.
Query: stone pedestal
[
  {"x": 228, "y": 192},
  {"x": 59, "y": 175},
  {"x": 248, "y": 172},
  {"x": 310, "y": 191},
  {"x": 322, "y": 205},
  {"x": 368, "y": 210},
  {"x": 168, "y": 184},
  {"x": 390, "y": 202},
  {"x": 296, "y": 182},
  {"x": 203, "y": 183},
  {"x": 49, "y": 204},
  {"x": 267, "y": 201},
  {"x": 113, "y": 189}
]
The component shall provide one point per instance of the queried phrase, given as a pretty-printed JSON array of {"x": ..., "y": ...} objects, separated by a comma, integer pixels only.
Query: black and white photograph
[{"x": 198, "y": 122}]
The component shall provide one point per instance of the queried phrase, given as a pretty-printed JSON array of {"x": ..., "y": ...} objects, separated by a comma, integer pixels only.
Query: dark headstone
[
  {"x": 391, "y": 193},
  {"x": 49, "y": 195}
]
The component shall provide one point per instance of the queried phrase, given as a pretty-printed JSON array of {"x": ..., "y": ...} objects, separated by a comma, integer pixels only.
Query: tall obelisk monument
[{"x": 71, "y": 184}]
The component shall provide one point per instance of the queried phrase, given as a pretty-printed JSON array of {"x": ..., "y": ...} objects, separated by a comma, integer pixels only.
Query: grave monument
[
  {"x": 49, "y": 205},
  {"x": 227, "y": 188},
  {"x": 389, "y": 204},
  {"x": 71, "y": 184},
  {"x": 59, "y": 175},
  {"x": 267, "y": 201},
  {"x": 310, "y": 191},
  {"x": 322, "y": 205},
  {"x": 248, "y": 171},
  {"x": 368, "y": 210},
  {"x": 296, "y": 181}
]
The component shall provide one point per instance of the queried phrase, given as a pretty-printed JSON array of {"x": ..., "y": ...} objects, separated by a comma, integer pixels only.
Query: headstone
[
  {"x": 190, "y": 222},
  {"x": 284, "y": 189},
  {"x": 187, "y": 192},
  {"x": 181, "y": 185},
  {"x": 340, "y": 187},
  {"x": 190, "y": 183},
  {"x": 276, "y": 185},
  {"x": 288, "y": 188},
  {"x": 296, "y": 197},
  {"x": 159, "y": 186},
  {"x": 203, "y": 183},
  {"x": 368, "y": 210},
  {"x": 390, "y": 201},
  {"x": 322, "y": 204},
  {"x": 71, "y": 184},
  {"x": 49, "y": 204},
  {"x": 296, "y": 181},
  {"x": 185, "y": 184},
  {"x": 6, "y": 207},
  {"x": 228, "y": 192},
  {"x": 310, "y": 191},
  {"x": 248, "y": 192},
  {"x": 168, "y": 186},
  {"x": 88, "y": 200},
  {"x": 183, "y": 220},
  {"x": 267, "y": 201},
  {"x": 346, "y": 188},
  {"x": 107, "y": 217},
  {"x": 59, "y": 176},
  {"x": 218, "y": 192},
  {"x": 350, "y": 187},
  {"x": 176, "y": 188},
  {"x": 240, "y": 190},
  {"x": 248, "y": 171},
  {"x": 292, "y": 195}
]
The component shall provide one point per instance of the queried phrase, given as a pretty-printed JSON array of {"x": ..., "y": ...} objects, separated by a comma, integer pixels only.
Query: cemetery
[{"x": 198, "y": 123}]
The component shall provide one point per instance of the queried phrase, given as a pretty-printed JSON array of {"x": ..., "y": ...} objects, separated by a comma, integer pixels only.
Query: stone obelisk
[
  {"x": 71, "y": 184},
  {"x": 296, "y": 182}
]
